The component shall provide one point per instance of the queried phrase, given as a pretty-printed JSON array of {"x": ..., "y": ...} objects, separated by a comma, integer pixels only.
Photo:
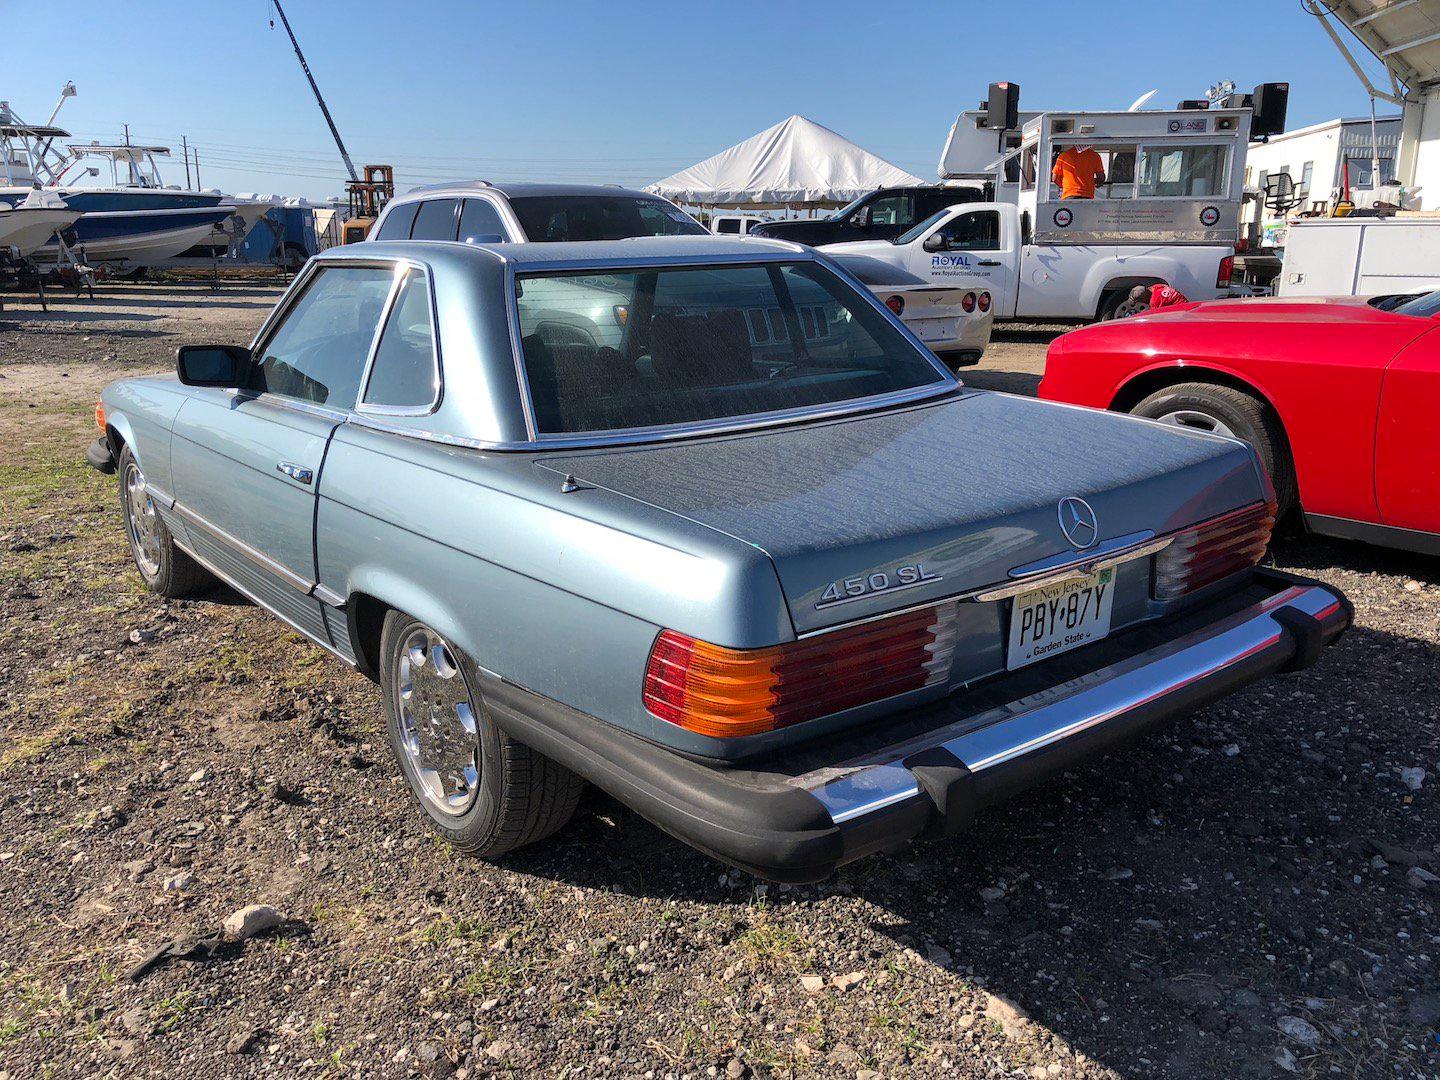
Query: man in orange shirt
[{"x": 1077, "y": 170}]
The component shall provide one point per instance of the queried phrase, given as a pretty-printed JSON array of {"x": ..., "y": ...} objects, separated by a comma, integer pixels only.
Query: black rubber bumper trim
[
  {"x": 772, "y": 829},
  {"x": 98, "y": 455}
]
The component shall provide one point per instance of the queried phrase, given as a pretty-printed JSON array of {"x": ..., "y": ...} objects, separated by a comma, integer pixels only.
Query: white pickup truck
[{"x": 991, "y": 247}]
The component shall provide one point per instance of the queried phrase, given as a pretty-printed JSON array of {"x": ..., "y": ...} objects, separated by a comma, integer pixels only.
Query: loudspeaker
[
  {"x": 1002, "y": 108},
  {"x": 1268, "y": 103}
]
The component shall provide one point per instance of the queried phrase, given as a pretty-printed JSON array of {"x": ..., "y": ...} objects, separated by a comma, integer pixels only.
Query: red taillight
[
  {"x": 896, "y": 304},
  {"x": 1227, "y": 267},
  {"x": 1215, "y": 549},
  {"x": 984, "y": 301},
  {"x": 724, "y": 692},
  {"x": 967, "y": 302}
]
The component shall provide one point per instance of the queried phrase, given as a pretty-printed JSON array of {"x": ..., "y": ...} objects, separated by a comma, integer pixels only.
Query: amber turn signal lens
[
  {"x": 722, "y": 692},
  {"x": 100, "y": 415}
]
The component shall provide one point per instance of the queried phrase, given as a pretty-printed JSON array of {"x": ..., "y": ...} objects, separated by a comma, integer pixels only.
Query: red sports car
[{"x": 1341, "y": 397}]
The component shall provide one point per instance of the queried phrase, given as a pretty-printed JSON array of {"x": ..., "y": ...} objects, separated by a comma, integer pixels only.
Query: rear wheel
[
  {"x": 1223, "y": 410},
  {"x": 163, "y": 567},
  {"x": 483, "y": 791}
]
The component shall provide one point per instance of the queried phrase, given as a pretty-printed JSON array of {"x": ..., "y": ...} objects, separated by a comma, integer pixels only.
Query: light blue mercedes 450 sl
[{"x": 700, "y": 522}]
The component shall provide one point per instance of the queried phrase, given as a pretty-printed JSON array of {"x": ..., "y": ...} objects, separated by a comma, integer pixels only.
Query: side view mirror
[
  {"x": 934, "y": 242},
  {"x": 228, "y": 366},
  {"x": 861, "y": 218}
]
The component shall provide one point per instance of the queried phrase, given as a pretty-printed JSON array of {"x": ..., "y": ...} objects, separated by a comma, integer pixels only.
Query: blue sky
[{"x": 616, "y": 91}]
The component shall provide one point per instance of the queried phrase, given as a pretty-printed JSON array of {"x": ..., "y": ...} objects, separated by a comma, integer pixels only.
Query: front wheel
[
  {"x": 163, "y": 567},
  {"x": 1223, "y": 410},
  {"x": 482, "y": 791}
]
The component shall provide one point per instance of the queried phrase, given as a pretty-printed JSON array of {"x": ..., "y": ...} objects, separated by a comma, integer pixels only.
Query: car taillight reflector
[
  {"x": 100, "y": 415},
  {"x": 896, "y": 304},
  {"x": 984, "y": 301},
  {"x": 967, "y": 302},
  {"x": 1227, "y": 267},
  {"x": 1215, "y": 549},
  {"x": 724, "y": 692}
]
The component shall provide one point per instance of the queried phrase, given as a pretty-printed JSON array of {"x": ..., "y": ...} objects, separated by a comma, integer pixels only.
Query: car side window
[
  {"x": 397, "y": 223},
  {"x": 893, "y": 210},
  {"x": 975, "y": 231},
  {"x": 480, "y": 223},
  {"x": 435, "y": 221},
  {"x": 318, "y": 352},
  {"x": 727, "y": 225},
  {"x": 405, "y": 374}
]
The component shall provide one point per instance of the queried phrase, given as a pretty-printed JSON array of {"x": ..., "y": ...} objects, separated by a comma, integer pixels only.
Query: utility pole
[
  {"x": 350, "y": 167},
  {"x": 197, "y": 169},
  {"x": 185, "y": 148}
]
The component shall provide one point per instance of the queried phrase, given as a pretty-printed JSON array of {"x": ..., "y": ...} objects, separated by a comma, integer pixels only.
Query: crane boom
[{"x": 350, "y": 167}]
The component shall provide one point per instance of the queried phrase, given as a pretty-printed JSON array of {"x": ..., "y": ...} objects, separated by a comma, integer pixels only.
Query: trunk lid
[{"x": 959, "y": 492}]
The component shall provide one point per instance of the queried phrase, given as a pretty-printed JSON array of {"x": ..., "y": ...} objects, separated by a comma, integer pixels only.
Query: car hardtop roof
[
  {"x": 520, "y": 189},
  {"x": 539, "y": 256}
]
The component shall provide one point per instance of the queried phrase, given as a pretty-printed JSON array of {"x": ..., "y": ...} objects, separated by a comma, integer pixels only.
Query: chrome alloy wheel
[
  {"x": 437, "y": 723},
  {"x": 1198, "y": 421},
  {"x": 142, "y": 521}
]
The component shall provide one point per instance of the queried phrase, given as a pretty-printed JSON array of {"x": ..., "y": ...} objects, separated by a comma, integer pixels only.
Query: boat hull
[
  {"x": 26, "y": 229},
  {"x": 138, "y": 237}
]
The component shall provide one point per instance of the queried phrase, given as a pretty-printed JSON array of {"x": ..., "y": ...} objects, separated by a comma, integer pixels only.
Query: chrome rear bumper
[
  {"x": 1020, "y": 730},
  {"x": 799, "y": 815}
]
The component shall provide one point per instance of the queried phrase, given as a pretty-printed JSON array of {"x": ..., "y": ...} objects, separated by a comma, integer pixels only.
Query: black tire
[
  {"x": 163, "y": 567},
  {"x": 521, "y": 796},
  {"x": 1246, "y": 416}
]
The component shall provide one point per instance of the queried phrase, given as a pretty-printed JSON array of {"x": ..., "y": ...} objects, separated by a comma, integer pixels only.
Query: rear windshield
[
  {"x": 1425, "y": 305},
  {"x": 648, "y": 348},
  {"x": 558, "y": 218}
]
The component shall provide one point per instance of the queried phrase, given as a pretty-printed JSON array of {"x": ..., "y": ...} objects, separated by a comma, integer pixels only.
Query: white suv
[{"x": 479, "y": 212}]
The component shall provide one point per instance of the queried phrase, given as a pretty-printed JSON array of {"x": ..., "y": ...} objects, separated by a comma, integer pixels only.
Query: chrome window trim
[
  {"x": 947, "y": 383},
  {"x": 403, "y": 269},
  {"x": 255, "y": 555},
  {"x": 280, "y": 401},
  {"x": 291, "y": 297}
]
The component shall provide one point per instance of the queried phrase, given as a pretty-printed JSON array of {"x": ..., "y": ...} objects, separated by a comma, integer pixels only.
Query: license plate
[
  {"x": 931, "y": 329},
  {"x": 1055, "y": 619}
]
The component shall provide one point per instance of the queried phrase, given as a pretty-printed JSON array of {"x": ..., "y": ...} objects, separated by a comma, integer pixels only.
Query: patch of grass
[
  {"x": 169, "y": 1012},
  {"x": 444, "y": 930}
]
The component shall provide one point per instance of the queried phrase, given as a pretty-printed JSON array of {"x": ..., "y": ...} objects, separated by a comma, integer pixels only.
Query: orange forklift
[{"x": 367, "y": 198}]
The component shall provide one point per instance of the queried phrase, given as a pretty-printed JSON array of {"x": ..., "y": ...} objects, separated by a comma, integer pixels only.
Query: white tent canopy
[{"x": 796, "y": 161}]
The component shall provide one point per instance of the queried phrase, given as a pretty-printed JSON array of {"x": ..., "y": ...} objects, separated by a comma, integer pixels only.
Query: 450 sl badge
[{"x": 848, "y": 590}]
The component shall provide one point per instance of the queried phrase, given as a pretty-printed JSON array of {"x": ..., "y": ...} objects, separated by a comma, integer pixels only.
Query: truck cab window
[
  {"x": 893, "y": 210},
  {"x": 978, "y": 230}
]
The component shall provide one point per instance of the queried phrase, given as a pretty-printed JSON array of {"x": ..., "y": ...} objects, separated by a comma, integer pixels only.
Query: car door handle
[
  {"x": 988, "y": 262},
  {"x": 296, "y": 472}
]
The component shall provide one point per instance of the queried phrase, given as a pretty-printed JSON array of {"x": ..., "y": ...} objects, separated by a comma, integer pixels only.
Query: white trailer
[
  {"x": 1167, "y": 213},
  {"x": 1352, "y": 256}
]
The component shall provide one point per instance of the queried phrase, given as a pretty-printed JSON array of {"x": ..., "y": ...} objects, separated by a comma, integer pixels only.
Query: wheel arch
[
  {"x": 119, "y": 435},
  {"x": 1144, "y": 383},
  {"x": 375, "y": 592}
]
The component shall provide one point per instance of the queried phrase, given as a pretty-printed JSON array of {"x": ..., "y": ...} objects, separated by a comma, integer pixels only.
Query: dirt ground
[{"x": 1250, "y": 892}]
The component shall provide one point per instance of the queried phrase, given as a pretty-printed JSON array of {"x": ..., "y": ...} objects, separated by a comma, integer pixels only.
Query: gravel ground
[{"x": 1251, "y": 892}]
